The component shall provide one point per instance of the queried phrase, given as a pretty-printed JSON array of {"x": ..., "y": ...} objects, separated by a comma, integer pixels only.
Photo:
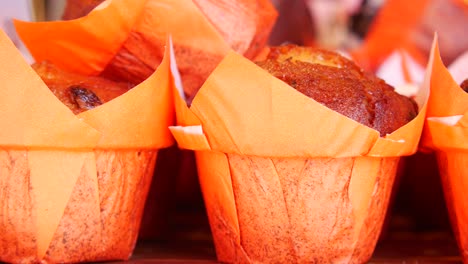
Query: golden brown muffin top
[
  {"x": 79, "y": 93},
  {"x": 341, "y": 85}
]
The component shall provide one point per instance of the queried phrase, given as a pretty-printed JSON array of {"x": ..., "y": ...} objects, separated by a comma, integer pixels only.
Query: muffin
[
  {"x": 285, "y": 178},
  {"x": 75, "y": 180},
  {"x": 342, "y": 86},
  {"x": 79, "y": 93}
]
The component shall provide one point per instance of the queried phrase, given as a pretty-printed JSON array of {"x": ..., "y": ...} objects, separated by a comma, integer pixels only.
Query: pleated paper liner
[
  {"x": 446, "y": 132},
  {"x": 74, "y": 187},
  {"x": 284, "y": 178}
]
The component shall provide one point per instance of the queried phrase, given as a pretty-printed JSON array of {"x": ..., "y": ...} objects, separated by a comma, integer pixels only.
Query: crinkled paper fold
[
  {"x": 58, "y": 160},
  {"x": 286, "y": 179}
]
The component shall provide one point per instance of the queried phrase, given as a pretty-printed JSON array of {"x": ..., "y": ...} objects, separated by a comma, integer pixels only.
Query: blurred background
[{"x": 352, "y": 26}]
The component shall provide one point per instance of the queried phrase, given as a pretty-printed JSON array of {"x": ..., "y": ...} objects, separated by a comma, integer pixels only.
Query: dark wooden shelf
[{"x": 398, "y": 247}]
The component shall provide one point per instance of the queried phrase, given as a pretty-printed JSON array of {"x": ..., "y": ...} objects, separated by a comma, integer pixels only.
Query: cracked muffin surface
[{"x": 341, "y": 85}]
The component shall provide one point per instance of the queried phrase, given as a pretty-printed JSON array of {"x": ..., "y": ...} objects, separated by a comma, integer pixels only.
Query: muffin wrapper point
[
  {"x": 74, "y": 186},
  {"x": 285, "y": 179},
  {"x": 446, "y": 133}
]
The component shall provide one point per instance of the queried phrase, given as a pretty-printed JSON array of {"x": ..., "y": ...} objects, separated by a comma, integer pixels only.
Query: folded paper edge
[
  {"x": 166, "y": 115},
  {"x": 190, "y": 137},
  {"x": 90, "y": 130},
  {"x": 394, "y": 138},
  {"x": 34, "y": 134}
]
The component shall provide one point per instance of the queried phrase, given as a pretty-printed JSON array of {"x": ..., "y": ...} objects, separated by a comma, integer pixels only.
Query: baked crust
[
  {"x": 341, "y": 85},
  {"x": 79, "y": 93}
]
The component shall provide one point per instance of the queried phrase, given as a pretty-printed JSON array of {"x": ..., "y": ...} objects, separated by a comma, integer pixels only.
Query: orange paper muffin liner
[
  {"x": 446, "y": 133},
  {"x": 298, "y": 209},
  {"x": 74, "y": 186},
  {"x": 284, "y": 178},
  {"x": 100, "y": 220}
]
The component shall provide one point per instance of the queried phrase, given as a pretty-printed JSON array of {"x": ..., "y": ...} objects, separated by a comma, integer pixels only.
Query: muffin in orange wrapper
[
  {"x": 74, "y": 186},
  {"x": 446, "y": 132},
  {"x": 202, "y": 32},
  {"x": 286, "y": 179}
]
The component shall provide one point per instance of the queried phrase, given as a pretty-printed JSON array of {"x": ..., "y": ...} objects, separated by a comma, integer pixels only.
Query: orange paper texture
[
  {"x": 74, "y": 187},
  {"x": 132, "y": 34},
  {"x": 450, "y": 143},
  {"x": 284, "y": 178}
]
